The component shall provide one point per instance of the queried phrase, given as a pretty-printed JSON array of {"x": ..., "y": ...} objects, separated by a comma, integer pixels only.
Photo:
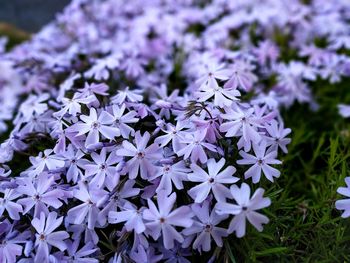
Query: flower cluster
[{"x": 142, "y": 127}]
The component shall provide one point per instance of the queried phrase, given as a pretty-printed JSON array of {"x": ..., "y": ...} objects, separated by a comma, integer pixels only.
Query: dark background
[{"x": 30, "y": 15}]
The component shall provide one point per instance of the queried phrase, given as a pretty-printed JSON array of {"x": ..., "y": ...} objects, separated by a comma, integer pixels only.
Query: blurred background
[{"x": 29, "y": 15}]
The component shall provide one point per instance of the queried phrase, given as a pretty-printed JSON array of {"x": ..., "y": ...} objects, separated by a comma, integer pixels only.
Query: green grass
[{"x": 304, "y": 224}]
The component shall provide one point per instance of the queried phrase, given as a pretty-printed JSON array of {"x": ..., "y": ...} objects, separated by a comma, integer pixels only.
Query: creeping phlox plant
[{"x": 141, "y": 130}]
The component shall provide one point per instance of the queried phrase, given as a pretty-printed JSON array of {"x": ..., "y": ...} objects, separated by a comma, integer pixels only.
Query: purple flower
[
  {"x": 206, "y": 227},
  {"x": 168, "y": 174},
  {"x": 142, "y": 156},
  {"x": 176, "y": 254},
  {"x": 72, "y": 106},
  {"x": 214, "y": 180},
  {"x": 212, "y": 73},
  {"x": 240, "y": 120},
  {"x": 344, "y": 204},
  {"x": 10, "y": 240},
  {"x": 129, "y": 214},
  {"x": 211, "y": 129},
  {"x": 44, "y": 162},
  {"x": 6, "y": 203},
  {"x": 142, "y": 255},
  {"x": 93, "y": 89},
  {"x": 165, "y": 102},
  {"x": 126, "y": 95},
  {"x": 344, "y": 110},
  {"x": 100, "y": 70},
  {"x": 260, "y": 162},
  {"x": 33, "y": 105},
  {"x": 242, "y": 76},
  {"x": 76, "y": 255},
  {"x": 162, "y": 220},
  {"x": 222, "y": 97},
  {"x": 88, "y": 210},
  {"x": 74, "y": 162},
  {"x": 277, "y": 134},
  {"x": 244, "y": 209},
  {"x": 102, "y": 168},
  {"x": 40, "y": 194},
  {"x": 267, "y": 51},
  {"x": 173, "y": 134},
  {"x": 46, "y": 237},
  {"x": 122, "y": 120},
  {"x": 116, "y": 199},
  {"x": 94, "y": 125},
  {"x": 195, "y": 147}
]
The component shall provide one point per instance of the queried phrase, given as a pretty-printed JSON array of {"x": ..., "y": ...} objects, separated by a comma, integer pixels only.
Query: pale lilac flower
[
  {"x": 344, "y": 204},
  {"x": 74, "y": 161},
  {"x": 242, "y": 76},
  {"x": 6, "y": 203},
  {"x": 93, "y": 89},
  {"x": 100, "y": 69},
  {"x": 6, "y": 152},
  {"x": 332, "y": 68},
  {"x": 103, "y": 168},
  {"x": 316, "y": 56},
  {"x": 244, "y": 209},
  {"x": 291, "y": 85},
  {"x": 162, "y": 220},
  {"x": 142, "y": 156},
  {"x": 165, "y": 102},
  {"x": 133, "y": 66},
  {"x": 82, "y": 232},
  {"x": 117, "y": 198},
  {"x": 129, "y": 214},
  {"x": 88, "y": 210},
  {"x": 206, "y": 227},
  {"x": 240, "y": 120},
  {"x": 195, "y": 147},
  {"x": 82, "y": 255},
  {"x": 214, "y": 180},
  {"x": 339, "y": 41},
  {"x": 261, "y": 163},
  {"x": 267, "y": 51},
  {"x": 34, "y": 105},
  {"x": 277, "y": 134},
  {"x": 45, "y": 237},
  {"x": 173, "y": 134},
  {"x": 122, "y": 120},
  {"x": 344, "y": 110},
  {"x": 45, "y": 161},
  {"x": 10, "y": 240},
  {"x": 211, "y": 128},
  {"x": 94, "y": 125},
  {"x": 39, "y": 194},
  {"x": 171, "y": 174},
  {"x": 126, "y": 95},
  {"x": 212, "y": 72},
  {"x": 223, "y": 97},
  {"x": 73, "y": 105},
  {"x": 142, "y": 255}
]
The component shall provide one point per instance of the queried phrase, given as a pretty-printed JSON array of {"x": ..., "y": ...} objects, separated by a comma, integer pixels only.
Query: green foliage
[{"x": 304, "y": 224}]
